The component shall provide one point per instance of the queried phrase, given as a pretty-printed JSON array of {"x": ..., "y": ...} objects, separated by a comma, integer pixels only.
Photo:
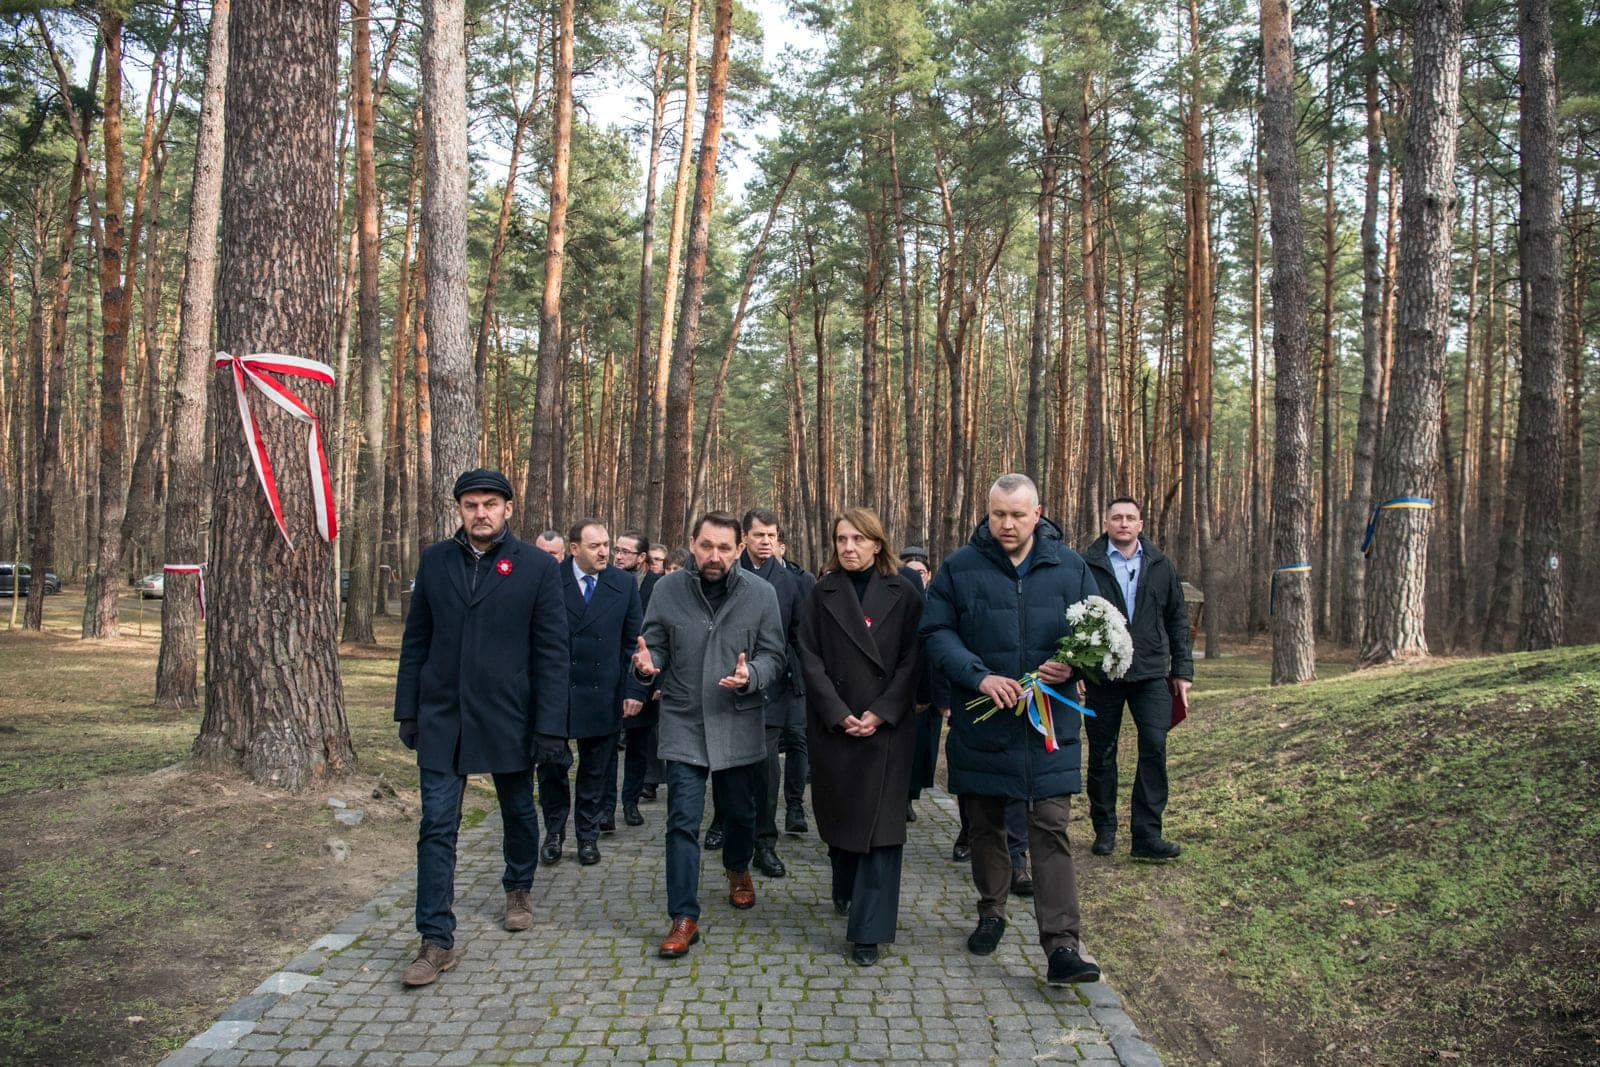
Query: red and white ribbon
[
  {"x": 254, "y": 370},
  {"x": 199, "y": 572}
]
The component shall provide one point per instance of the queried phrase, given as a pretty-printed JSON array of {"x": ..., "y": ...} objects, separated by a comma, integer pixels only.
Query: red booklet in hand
[{"x": 1180, "y": 704}]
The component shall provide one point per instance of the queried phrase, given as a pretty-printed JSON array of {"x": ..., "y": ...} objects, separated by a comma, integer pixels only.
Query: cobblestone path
[{"x": 769, "y": 985}]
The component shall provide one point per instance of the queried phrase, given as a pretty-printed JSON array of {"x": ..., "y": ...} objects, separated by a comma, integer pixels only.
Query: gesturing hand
[
  {"x": 1005, "y": 692},
  {"x": 740, "y": 676},
  {"x": 630, "y": 708},
  {"x": 642, "y": 663}
]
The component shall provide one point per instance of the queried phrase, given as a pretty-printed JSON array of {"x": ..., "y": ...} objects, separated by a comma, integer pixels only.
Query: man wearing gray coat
[{"x": 712, "y": 641}]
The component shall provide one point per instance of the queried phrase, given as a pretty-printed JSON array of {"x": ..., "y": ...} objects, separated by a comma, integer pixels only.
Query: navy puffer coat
[{"x": 983, "y": 618}]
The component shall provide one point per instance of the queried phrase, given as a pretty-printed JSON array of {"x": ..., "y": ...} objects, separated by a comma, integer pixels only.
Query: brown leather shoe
[
  {"x": 741, "y": 894},
  {"x": 685, "y": 932},
  {"x": 430, "y": 963},
  {"x": 519, "y": 912}
]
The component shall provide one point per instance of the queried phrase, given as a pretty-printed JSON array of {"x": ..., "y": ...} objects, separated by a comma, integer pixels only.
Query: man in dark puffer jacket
[
  {"x": 1133, "y": 573},
  {"x": 995, "y": 611}
]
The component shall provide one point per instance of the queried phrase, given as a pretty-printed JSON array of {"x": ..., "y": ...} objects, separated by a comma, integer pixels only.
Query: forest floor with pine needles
[{"x": 1393, "y": 866}]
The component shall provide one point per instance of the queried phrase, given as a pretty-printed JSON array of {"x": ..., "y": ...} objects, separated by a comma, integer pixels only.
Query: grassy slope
[{"x": 1396, "y": 864}]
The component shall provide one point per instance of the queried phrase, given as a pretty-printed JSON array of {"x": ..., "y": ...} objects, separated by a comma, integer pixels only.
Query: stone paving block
[{"x": 771, "y": 985}]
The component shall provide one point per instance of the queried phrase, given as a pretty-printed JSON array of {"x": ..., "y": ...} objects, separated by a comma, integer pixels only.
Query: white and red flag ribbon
[
  {"x": 254, "y": 370},
  {"x": 196, "y": 569}
]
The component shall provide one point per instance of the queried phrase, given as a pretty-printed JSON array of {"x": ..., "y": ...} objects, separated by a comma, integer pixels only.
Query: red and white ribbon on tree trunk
[
  {"x": 248, "y": 370},
  {"x": 196, "y": 569}
]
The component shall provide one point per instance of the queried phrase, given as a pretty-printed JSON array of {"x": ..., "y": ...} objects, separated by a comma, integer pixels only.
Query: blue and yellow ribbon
[
  {"x": 1272, "y": 591},
  {"x": 1399, "y": 503}
]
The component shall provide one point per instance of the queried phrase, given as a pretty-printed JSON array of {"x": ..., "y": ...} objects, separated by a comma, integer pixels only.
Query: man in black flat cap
[{"x": 482, "y": 689}]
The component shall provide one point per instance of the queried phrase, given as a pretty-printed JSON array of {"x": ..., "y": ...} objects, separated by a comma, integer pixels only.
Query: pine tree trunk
[
  {"x": 916, "y": 502},
  {"x": 274, "y": 702},
  {"x": 1293, "y": 644},
  {"x": 452, "y": 387},
  {"x": 1539, "y": 415},
  {"x": 638, "y": 500},
  {"x": 669, "y": 289},
  {"x": 176, "y": 669},
  {"x": 1359, "y": 504},
  {"x": 1039, "y": 322},
  {"x": 1090, "y": 506},
  {"x": 367, "y": 514},
  {"x": 680, "y": 378},
  {"x": 1409, "y": 452}
]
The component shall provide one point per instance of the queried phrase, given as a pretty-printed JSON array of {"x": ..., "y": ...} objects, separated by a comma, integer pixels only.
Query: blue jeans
[
  {"x": 736, "y": 791},
  {"x": 436, "y": 845}
]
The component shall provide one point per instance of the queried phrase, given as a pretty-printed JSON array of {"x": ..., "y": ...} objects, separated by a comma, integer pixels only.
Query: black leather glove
[
  {"x": 552, "y": 750},
  {"x": 408, "y": 733}
]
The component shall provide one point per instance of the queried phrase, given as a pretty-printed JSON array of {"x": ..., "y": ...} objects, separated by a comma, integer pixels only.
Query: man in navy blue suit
[
  {"x": 603, "y": 618},
  {"x": 481, "y": 689}
]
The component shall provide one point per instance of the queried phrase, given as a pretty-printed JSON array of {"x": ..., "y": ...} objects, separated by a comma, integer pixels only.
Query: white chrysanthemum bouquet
[{"x": 1096, "y": 643}]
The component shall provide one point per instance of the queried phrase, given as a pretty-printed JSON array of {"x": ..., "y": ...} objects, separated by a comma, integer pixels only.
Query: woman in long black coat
[{"x": 859, "y": 655}]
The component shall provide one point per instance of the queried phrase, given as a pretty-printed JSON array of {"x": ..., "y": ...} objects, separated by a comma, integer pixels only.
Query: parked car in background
[
  {"x": 151, "y": 586},
  {"x": 17, "y": 577}
]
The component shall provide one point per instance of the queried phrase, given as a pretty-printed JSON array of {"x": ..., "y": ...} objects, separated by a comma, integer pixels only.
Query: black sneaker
[
  {"x": 1067, "y": 968},
  {"x": 1105, "y": 842},
  {"x": 1155, "y": 849},
  {"x": 986, "y": 938}
]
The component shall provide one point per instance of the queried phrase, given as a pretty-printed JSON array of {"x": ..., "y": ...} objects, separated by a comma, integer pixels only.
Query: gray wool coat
[{"x": 702, "y": 723}]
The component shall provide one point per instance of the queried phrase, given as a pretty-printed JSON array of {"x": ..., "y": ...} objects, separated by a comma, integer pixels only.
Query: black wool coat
[
  {"x": 483, "y": 665},
  {"x": 604, "y": 636},
  {"x": 859, "y": 785}
]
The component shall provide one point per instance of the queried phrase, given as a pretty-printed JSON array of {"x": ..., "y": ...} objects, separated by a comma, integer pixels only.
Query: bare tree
[
  {"x": 1294, "y": 653},
  {"x": 1408, "y": 456},
  {"x": 274, "y": 702}
]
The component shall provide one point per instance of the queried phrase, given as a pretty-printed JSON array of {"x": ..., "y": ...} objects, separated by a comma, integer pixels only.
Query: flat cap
[
  {"x": 914, "y": 552},
  {"x": 483, "y": 480}
]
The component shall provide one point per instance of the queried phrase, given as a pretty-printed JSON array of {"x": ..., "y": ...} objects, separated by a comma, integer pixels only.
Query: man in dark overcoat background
[
  {"x": 604, "y": 616},
  {"x": 481, "y": 689}
]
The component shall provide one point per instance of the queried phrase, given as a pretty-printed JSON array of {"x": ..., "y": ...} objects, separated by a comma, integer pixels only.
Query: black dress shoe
[
  {"x": 842, "y": 907},
  {"x": 647, "y": 792},
  {"x": 1156, "y": 849},
  {"x": 631, "y": 816},
  {"x": 714, "y": 838},
  {"x": 1105, "y": 842},
  {"x": 1021, "y": 881},
  {"x": 911, "y": 813},
  {"x": 796, "y": 823},
  {"x": 864, "y": 955},
  {"x": 768, "y": 863},
  {"x": 588, "y": 853},
  {"x": 608, "y": 826},
  {"x": 550, "y": 851},
  {"x": 986, "y": 938},
  {"x": 960, "y": 853},
  {"x": 1067, "y": 967}
]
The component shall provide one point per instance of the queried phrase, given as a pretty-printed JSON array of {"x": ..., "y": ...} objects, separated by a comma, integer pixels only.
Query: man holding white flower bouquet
[
  {"x": 994, "y": 624},
  {"x": 1144, "y": 585}
]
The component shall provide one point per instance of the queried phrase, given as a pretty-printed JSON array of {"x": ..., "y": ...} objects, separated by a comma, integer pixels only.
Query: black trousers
[
  {"x": 870, "y": 882},
  {"x": 771, "y": 786},
  {"x": 638, "y": 760},
  {"x": 595, "y": 756},
  {"x": 796, "y": 758},
  {"x": 1150, "y": 704}
]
